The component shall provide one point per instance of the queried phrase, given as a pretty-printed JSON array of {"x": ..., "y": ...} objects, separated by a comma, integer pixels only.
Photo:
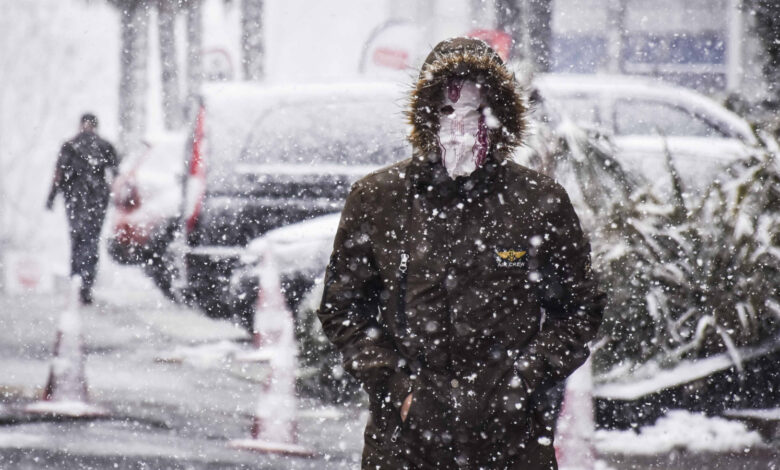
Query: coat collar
[{"x": 428, "y": 178}]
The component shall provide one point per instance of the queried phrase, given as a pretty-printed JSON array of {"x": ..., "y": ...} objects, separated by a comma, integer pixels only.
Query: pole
[
  {"x": 194, "y": 54},
  {"x": 616, "y": 14},
  {"x": 132, "y": 81},
  {"x": 252, "y": 44},
  {"x": 734, "y": 49},
  {"x": 169, "y": 65}
]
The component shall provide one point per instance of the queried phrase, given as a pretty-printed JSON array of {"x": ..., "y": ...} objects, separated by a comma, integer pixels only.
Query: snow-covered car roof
[
  {"x": 235, "y": 111},
  {"x": 254, "y": 92},
  {"x": 560, "y": 85}
]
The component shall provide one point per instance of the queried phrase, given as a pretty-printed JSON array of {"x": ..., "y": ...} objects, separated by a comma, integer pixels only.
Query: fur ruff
[{"x": 475, "y": 62}]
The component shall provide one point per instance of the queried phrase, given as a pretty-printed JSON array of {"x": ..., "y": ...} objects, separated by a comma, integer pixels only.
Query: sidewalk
[
  {"x": 169, "y": 415},
  {"x": 163, "y": 414}
]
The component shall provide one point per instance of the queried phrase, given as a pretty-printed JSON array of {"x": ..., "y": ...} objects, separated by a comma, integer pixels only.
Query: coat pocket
[
  {"x": 510, "y": 407},
  {"x": 429, "y": 421}
]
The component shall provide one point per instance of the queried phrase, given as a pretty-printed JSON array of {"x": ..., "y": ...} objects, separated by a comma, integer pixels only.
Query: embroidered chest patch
[{"x": 510, "y": 258}]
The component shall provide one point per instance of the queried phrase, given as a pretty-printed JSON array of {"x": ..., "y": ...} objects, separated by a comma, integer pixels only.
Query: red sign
[
  {"x": 500, "y": 41},
  {"x": 391, "y": 58}
]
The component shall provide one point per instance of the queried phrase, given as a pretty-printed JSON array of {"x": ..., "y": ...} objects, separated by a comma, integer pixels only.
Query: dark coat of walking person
[
  {"x": 81, "y": 175},
  {"x": 459, "y": 290}
]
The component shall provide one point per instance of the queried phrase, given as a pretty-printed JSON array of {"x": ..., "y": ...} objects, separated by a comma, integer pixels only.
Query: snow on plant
[
  {"x": 686, "y": 276},
  {"x": 679, "y": 430}
]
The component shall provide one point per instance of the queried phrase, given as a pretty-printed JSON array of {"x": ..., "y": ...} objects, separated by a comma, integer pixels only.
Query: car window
[
  {"x": 646, "y": 117},
  {"x": 351, "y": 133},
  {"x": 581, "y": 110}
]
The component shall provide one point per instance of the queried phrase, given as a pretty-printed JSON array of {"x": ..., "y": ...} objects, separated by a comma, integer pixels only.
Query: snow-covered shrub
[{"x": 686, "y": 276}]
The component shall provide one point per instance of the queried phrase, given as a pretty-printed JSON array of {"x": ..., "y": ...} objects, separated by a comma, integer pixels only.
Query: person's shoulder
[
  {"x": 74, "y": 141},
  {"x": 105, "y": 143},
  {"x": 69, "y": 146},
  {"x": 384, "y": 179},
  {"x": 532, "y": 180}
]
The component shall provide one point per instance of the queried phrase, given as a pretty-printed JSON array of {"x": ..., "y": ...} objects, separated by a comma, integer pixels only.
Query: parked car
[
  {"x": 644, "y": 118},
  {"x": 263, "y": 157},
  {"x": 146, "y": 204},
  {"x": 301, "y": 252}
]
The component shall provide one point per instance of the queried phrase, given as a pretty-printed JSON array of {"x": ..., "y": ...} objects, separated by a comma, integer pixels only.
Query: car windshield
[
  {"x": 351, "y": 133},
  {"x": 645, "y": 117},
  {"x": 582, "y": 110}
]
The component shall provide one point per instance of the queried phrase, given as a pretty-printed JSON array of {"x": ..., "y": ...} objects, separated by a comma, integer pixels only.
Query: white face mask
[{"x": 462, "y": 131}]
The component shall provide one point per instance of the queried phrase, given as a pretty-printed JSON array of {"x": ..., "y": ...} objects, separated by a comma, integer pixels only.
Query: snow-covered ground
[
  {"x": 176, "y": 396},
  {"x": 679, "y": 430},
  {"x": 162, "y": 373}
]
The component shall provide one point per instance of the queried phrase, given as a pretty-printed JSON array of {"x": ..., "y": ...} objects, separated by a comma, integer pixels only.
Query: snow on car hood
[{"x": 304, "y": 246}]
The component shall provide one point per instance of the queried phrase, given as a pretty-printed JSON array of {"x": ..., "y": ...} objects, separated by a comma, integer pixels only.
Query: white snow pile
[
  {"x": 205, "y": 355},
  {"x": 679, "y": 430},
  {"x": 771, "y": 414},
  {"x": 66, "y": 408},
  {"x": 17, "y": 440}
]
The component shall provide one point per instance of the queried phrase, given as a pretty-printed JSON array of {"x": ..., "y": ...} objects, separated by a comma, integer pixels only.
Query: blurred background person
[{"x": 81, "y": 175}]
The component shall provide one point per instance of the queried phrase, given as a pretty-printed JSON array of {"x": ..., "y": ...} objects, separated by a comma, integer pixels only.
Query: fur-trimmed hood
[{"x": 470, "y": 59}]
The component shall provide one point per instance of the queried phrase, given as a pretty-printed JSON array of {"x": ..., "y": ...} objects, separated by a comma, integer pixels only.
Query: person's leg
[
  {"x": 93, "y": 224},
  {"x": 89, "y": 264},
  {"x": 75, "y": 243},
  {"x": 81, "y": 258},
  {"x": 90, "y": 246},
  {"x": 73, "y": 231},
  {"x": 82, "y": 252}
]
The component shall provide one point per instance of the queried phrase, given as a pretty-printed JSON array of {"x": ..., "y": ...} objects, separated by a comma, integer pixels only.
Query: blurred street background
[{"x": 660, "y": 118}]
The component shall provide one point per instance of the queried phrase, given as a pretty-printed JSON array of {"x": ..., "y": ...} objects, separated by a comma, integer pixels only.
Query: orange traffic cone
[
  {"x": 575, "y": 427},
  {"x": 274, "y": 429},
  {"x": 65, "y": 393}
]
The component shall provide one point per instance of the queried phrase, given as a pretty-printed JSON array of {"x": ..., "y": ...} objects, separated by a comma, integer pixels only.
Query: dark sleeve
[
  {"x": 112, "y": 159},
  {"x": 59, "y": 172},
  {"x": 350, "y": 302},
  {"x": 571, "y": 299}
]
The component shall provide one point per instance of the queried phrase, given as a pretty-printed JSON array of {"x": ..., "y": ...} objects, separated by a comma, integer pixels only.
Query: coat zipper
[
  {"x": 403, "y": 268},
  {"x": 396, "y": 433}
]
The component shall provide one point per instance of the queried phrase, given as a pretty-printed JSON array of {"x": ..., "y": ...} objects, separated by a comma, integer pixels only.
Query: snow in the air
[{"x": 239, "y": 320}]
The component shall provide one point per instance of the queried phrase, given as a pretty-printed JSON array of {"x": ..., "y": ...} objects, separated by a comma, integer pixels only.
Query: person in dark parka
[
  {"x": 83, "y": 165},
  {"x": 459, "y": 290}
]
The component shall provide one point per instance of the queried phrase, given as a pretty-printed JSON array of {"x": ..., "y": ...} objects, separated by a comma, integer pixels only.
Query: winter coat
[
  {"x": 80, "y": 174},
  {"x": 474, "y": 294}
]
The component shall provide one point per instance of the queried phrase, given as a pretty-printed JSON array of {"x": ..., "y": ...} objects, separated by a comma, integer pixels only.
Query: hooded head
[
  {"x": 452, "y": 63},
  {"x": 88, "y": 122}
]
